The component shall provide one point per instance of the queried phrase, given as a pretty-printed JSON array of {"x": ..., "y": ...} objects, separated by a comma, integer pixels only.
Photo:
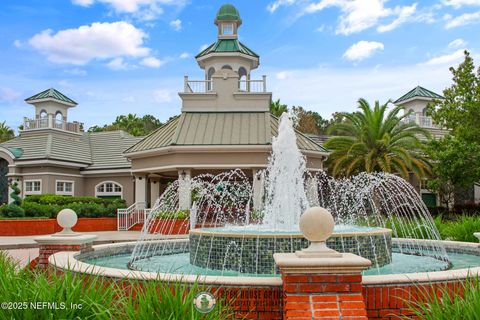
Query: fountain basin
[{"x": 250, "y": 250}]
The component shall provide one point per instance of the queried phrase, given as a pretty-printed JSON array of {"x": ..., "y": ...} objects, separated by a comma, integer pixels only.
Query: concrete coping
[
  {"x": 55, "y": 239},
  {"x": 298, "y": 234},
  {"x": 346, "y": 263},
  {"x": 67, "y": 260}
]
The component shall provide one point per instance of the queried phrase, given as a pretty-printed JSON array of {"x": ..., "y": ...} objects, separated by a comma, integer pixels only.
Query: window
[
  {"x": 227, "y": 29},
  {"x": 43, "y": 114},
  {"x": 64, "y": 188},
  {"x": 33, "y": 187},
  {"x": 108, "y": 189}
]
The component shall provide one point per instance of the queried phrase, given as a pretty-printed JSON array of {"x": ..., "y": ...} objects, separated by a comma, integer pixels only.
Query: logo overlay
[{"x": 204, "y": 302}]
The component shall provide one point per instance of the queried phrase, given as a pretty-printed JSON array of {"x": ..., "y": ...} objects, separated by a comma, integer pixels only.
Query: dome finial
[{"x": 228, "y": 12}]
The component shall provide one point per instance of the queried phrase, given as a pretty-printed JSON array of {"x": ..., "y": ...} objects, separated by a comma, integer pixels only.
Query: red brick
[
  {"x": 352, "y": 305},
  {"x": 352, "y": 278},
  {"x": 324, "y": 278},
  {"x": 292, "y": 298},
  {"x": 324, "y": 298},
  {"x": 354, "y": 312},
  {"x": 322, "y": 313},
  {"x": 290, "y": 279},
  {"x": 325, "y": 305},
  {"x": 297, "y": 306},
  {"x": 356, "y": 287},
  {"x": 351, "y": 297},
  {"x": 337, "y": 288},
  {"x": 312, "y": 287},
  {"x": 298, "y": 313}
]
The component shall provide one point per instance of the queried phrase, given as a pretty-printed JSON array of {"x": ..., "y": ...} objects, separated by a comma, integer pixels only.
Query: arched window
[
  {"x": 109, "y": 189},
  {"x": 43, "y": 114},
  {"x": 210, "y": 73},
  {"x": 227, "y": 67},
  {"x": 242, "y": 79},
  {"x": 424, "y": 111},
  {"x": 59, "y": 116}
]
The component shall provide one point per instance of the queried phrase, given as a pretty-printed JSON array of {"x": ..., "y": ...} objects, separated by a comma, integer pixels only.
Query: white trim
[
  {"x": 109, "y": 194},
  {"x": 65, "y": 193},
  {"x": 51, "y": 99},
  {"x": 53, "y": 162},
  {"x": 211, "y": 166},
  {"x": 214, "y": 149},
  {"x": 27, "y": 193},
  {"x": 105, "y": 171},
  {"x": 45, "y": 174},
  {"x": 9, "y": 153}
]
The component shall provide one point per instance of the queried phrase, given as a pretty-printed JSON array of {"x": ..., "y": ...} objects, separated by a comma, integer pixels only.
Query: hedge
[{"x": 48, "y": 205}]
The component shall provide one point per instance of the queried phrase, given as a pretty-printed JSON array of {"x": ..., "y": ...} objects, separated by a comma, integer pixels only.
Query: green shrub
[
  {"x": 450, "y": 306},
  {"x": 11, "y": 210},
  {"x": 15, "y": 194},
  {"x": 462, "y": 229},
  {"x": 99, "y": 299},
  {"x": 49, "y": 205},
  {"x": 180, "y": 214}
]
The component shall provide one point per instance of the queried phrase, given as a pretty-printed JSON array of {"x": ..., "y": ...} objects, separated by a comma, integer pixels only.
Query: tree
[
  {"x": 456, "y": 156},
  {"x": 277, "y": 108},
  {"x": 374, "y": 141},
  {"x": 306, "y": 122},
  {"x": 132, "y": 124},
  {"x": 6, "y": 133}
]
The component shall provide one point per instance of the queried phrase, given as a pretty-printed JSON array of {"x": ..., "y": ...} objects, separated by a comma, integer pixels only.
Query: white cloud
[
  {"x": 9, "y": 94},
  {"x": 272, "y": 7},
  {"x": 462, "y": 20},
  {"x": 117, "y": 64},
  {"x": 142, "y": 9},
  {"x": 282, "y": 75},
  {"x": 362, "y": 50},
  {"x": 457, "y": 43},
  {"x": 176, "y": 25},
  {"x": 447, "y": 59},
  {"x": 76, "y": 72},
  {"x": 97, "y": 41},
  {"x": 152, "y": 62},
  {"x": 83, "y": 3},
  {"x": 460, "y": 3},
  {"x": 184, "y": 55},
  {"x": 203, "y": 47},
  {"x": 161, "y": 96},
  {"x": 18, "y": 44},
  {"x": 404, "y": 15}
]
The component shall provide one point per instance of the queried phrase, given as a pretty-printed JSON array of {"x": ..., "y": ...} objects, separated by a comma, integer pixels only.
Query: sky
[{"x": 129, "y": 56}]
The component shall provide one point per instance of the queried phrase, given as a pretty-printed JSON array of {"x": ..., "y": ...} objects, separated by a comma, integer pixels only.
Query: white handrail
[{"x": 128, "y": 217}]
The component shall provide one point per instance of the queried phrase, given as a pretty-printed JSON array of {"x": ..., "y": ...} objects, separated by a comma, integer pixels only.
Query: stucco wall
[{"x": 125, "y": 181}]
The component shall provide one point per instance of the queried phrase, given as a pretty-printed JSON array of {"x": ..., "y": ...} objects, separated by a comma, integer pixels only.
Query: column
[
  {"x": 184, "y": 189},
  {"x": 312, "y": 190},
  {"x": 140, "y": 188},
  {"x": 258, "y": 188},
  {"x": 154, "y": 191},
  {"x": 318, "y": 282}
]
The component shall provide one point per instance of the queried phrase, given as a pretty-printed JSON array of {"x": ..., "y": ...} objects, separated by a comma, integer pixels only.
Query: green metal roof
[
  {"x": 96, "y": 150},
  {"x": 51, "y": 94},
  {"x": 228, "y": 12},
  {"x": 418, "y": 91},
  {"x": 227, "y": 45},
  {"x": 218, "y": 129}
]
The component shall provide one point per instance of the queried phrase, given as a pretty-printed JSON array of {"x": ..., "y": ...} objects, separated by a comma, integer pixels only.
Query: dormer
[{"x": 51, "y": 112}]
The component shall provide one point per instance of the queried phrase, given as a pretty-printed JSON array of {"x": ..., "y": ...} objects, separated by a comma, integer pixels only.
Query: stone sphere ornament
[
  {"x": 67, "y": 219},
  {"x": 316, "y": 225}
]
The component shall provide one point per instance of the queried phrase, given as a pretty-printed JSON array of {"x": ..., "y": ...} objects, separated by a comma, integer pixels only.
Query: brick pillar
[
  {"x": 322, "y": 288},
  {"x": 46, "y": 250}
]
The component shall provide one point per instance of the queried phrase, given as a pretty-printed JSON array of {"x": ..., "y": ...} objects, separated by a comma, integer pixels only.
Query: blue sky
[{"x": 119, "y": 56}]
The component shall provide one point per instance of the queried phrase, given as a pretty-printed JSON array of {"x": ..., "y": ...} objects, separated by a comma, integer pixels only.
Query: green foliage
[
  {"x": 256, "y": 215},
  {"x": 372, "y": 140},
  {"x": 158, "y": 302},
  {"x": 11, "y": 210},
  {"x": 461, "y": 229},
  {"x": 456, "y": 157},
  {"x": 456, "y": 164},
  {"x": 180, "y": 214},
  {"x": 6, "y": 133},
  {"x": 48, "y": 205},
  {"x": 99, "y": 298},
  {"x": 132, "y": 124},
  {"x": 277, "y": 108},
  {"x": 15, "y": 194},
  {"x": 446, "y": 305}
]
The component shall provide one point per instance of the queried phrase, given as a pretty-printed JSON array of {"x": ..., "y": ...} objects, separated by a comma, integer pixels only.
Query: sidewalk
[{"x": 23, "y": 242}]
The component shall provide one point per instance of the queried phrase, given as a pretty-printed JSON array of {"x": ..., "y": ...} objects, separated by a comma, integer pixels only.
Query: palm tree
[
  {"x": 6, "y": 133},
  {"x": 374, "y": 141},
  {"x": 276, "y": 108}
]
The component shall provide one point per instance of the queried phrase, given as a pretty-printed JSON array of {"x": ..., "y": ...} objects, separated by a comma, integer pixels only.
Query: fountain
[{"x": 229, "y": 236}]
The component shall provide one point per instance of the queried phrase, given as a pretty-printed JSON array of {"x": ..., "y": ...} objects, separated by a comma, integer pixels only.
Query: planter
[
  {"x": 169, "y": 226},
  {"x": 26, "y": 227}
]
